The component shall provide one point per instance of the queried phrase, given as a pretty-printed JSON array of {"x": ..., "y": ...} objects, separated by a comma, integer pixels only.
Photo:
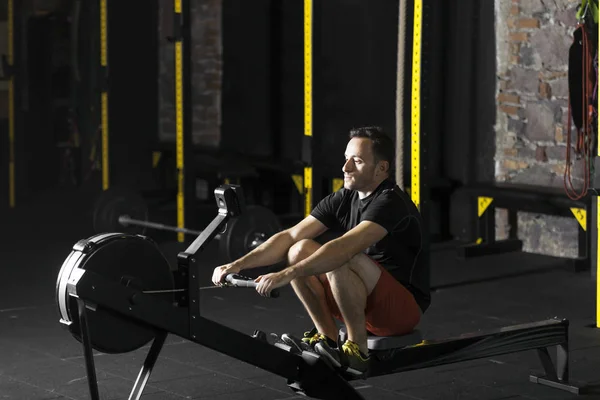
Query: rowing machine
[{"x": 106, "y": 297}]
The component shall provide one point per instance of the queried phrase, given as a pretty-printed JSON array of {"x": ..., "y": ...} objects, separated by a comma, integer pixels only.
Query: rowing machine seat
[{"x": 387, "y": 342}]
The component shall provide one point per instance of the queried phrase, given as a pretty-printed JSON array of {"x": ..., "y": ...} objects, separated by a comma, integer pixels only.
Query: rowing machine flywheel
[{"x": 128, "y": 259}]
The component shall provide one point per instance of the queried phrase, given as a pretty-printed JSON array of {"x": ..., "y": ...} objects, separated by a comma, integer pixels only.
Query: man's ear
[{"x": 384, "y": 166}]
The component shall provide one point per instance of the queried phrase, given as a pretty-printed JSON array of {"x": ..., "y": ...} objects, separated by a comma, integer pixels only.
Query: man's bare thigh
[{"x": 365, "y": 268}]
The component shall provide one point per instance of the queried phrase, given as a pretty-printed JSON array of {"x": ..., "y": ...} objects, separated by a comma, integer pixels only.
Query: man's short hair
[{"x": 383, "y": 145}]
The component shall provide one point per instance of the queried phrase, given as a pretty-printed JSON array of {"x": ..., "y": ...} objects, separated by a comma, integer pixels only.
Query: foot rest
[{"x": 387, "y": 342}]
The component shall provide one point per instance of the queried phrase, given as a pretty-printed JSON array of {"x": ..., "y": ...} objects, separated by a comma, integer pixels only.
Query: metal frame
[
  {"x": 165, "y": 318},
  {"x": 307, "y": 142},
  {"x": 421, "y": 122},
  {"x": 486, "y": 198},
  {"x": 539, "y": 335},
  {"x": 104, "y": 96}
]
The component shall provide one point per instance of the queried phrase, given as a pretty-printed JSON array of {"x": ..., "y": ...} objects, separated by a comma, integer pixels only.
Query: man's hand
[
  {"x": 220, "y": 272},
  {"x": 275, "y": 280}
]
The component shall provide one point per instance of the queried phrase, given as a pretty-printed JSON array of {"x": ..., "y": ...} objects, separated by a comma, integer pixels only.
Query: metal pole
[
  {"x": 179, "y": 145},
  {"x": 401, "y": 49},
  {"x": 126, "y": 220},
  {"x": 104, "y": 95},
  {"x": 415, "y": 189},
  {"x": 308, "y": 107}
]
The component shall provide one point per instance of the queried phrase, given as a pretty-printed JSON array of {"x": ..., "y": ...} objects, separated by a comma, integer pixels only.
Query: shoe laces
[
  {"x": 311, "y": 337},
  {"x": 316, "y": 338},
  {"x": 351, "y": 349}
]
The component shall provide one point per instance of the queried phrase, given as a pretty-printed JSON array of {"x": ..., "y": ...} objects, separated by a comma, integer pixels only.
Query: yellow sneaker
[
  {"x": 307, "y": 343},
  {"x": 350, "y": 359}
]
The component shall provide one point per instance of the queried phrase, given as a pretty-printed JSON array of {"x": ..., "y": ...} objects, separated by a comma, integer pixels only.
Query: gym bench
[{"x": 485, "y": 198}]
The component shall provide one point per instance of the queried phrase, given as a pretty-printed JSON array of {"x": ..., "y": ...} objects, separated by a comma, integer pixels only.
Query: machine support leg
[
  {"x": 547, "y": 364},
  {"x": 556, "y": 377},
  {"x": 562, "y": 362},
  {"x": 149, "y": 363},
  {"x": 88, "y": 351}
]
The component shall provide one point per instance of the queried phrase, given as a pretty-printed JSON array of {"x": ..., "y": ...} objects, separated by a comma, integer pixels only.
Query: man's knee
[
  {"x": 338, "y": 273},
  {"x": 301, "y": 250},
  {"x": 359, "y": 266},
  {"x": 354, "y": 265}
]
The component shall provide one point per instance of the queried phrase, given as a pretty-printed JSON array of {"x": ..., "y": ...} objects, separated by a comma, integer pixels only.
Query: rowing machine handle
[{"x": 244, "y": 281}]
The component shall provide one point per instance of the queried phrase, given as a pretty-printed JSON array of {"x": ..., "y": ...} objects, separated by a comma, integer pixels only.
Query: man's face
[{"x": 360, "y": 167}]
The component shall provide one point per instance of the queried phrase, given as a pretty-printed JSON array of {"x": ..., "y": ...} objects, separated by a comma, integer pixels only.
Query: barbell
[{"x": 119, "y": 209}]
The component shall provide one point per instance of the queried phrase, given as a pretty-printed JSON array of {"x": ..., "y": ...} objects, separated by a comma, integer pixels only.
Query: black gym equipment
[
  {"x": 120, "y": 209},
  {"x": 106, "y": 297},
  {"x": 409, "y": 352},
  {"x": 485, "y": 198}
]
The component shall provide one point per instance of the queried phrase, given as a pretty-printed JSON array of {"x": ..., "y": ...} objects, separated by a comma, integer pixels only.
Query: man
[{"x": 372, "y": 278}]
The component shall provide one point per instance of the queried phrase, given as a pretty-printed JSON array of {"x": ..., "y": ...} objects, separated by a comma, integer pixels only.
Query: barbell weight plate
[
  {"x": 241, "y": 231},
  {"x": 114, "y": 257},
  {"x": 117, "y": 201}
]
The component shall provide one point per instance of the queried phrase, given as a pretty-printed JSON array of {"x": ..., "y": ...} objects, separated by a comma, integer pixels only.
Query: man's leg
[
  {"x": 351, "y": 284},
  {"x": 310, "y": 291}
]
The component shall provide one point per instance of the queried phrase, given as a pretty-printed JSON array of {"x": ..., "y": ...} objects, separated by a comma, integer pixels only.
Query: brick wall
[
  {"x": 206, "y": 72},
  {"x": 532, "y": 40}
]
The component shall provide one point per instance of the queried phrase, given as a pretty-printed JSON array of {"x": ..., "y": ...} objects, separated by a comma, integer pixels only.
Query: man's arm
[
  {"x": 339, "y": 251},
  {"x": 275, "y": 249}
]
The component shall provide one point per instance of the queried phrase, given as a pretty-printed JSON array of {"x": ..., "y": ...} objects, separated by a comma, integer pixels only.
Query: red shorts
[{"x": 391, "y": 309}]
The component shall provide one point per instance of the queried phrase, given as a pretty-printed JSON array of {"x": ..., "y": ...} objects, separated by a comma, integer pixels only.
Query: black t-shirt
[{"x": 400, "y": 251}]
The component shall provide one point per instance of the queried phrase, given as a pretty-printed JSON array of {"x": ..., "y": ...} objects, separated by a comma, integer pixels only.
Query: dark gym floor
[{"x": 39, "y": 359}]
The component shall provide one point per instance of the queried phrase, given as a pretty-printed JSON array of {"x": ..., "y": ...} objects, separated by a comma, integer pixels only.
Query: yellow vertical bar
[
  {"x": 179, "y": 128},
  {"x": 415, "y": 192},
  {"x": 308, "y": 67},
  {"x": 11, "y": 108},
  {"x": 307, "y": 190},
  {"x": 308, "y": 108},
  {"x": 103, "y": 34},
  {"x": 104, "y": 95},
  {"x": 105, "y": 155}
]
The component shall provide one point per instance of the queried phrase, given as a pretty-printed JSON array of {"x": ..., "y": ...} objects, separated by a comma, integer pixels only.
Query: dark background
[
  {"x": 262, "y": 94},
  {"x": 355, "y": 85}
]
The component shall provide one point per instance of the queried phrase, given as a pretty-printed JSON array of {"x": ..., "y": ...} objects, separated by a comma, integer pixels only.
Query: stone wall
[
  {"x": 532, "y": 40},
  {"x": 206, "y": 72}
]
